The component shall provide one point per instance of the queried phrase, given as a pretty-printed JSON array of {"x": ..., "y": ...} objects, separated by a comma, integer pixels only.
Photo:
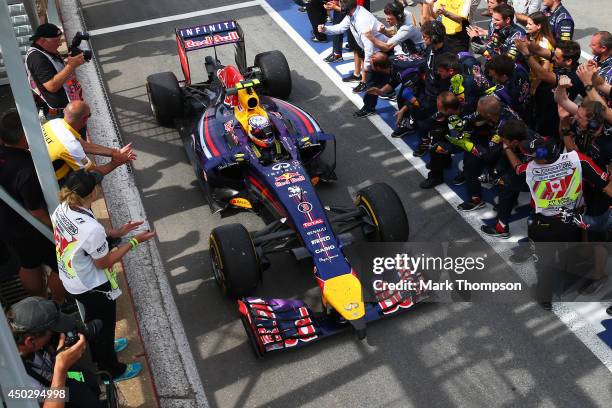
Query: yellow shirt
[
  {"x": 535, "y": 82},
  {"x": 458, "y": 7},
  {"x": 64, "y": 147}
]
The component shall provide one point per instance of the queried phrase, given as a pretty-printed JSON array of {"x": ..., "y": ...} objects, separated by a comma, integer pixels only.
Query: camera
[
  {"x": 74, "y": 46},
  {"x": 90, "y": 330}
]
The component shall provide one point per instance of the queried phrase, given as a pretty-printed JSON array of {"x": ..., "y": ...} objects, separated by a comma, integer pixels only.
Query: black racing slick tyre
[
  {"x": 234, "y": 261},
  {"x": 276, "y": 73},
  {"x": 165, "y": 97},
  {"x": 386, "y": 217}
]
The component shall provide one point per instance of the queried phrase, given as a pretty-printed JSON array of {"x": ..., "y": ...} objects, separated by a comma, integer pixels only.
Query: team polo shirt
[
  {"x": 79, "y": 240},
  {"x": 64, "y": 147},
  {"x": 604, "y": 69},
  {"x": 561, "y": 22}
]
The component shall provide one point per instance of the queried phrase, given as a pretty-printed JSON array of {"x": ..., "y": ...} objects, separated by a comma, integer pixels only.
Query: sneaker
[
  {"x": 361, "y": 86},
  {"x": 431, "y": 182},
  {"x": 331, "y": 58},
  {"x": 471, "y": 205},
  {"x": 348, "y": 47},
  {"x": 400, "y": 131},
  {"x": 362, "y": 113},
  {"x": 496, "y": 231},
  {"x": 459, "y": 179},
  {"x": 351, "y": 78},
  {"x": 131, "y": 371},
  {"x": 120, "y": 344},
  {"x": 391, "y": 96},
  {"x": 421, "y": 150},
  {"x": 302, "y": 9},
  {"x": 314, "y": 38}
]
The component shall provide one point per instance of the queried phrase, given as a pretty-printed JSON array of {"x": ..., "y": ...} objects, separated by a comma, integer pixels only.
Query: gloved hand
[
  {"x": 461, "y": 140},
  {"x": 457, "y": 85},
  {"x": 456, "y": 123}
]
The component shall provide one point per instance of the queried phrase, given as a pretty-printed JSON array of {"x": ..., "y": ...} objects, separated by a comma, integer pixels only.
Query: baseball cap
[
  {"x": 46, "y": 30},
  {"x": 35, "y": 314},
  {"x": 83, "y": 182}
]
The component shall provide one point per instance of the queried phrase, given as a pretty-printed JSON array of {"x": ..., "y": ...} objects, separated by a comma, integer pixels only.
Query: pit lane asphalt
[{"x": 435, "y": 355}]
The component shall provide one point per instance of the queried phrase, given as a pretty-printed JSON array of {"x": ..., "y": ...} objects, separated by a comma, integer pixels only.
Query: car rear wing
[{"x": 209, "y": 36}]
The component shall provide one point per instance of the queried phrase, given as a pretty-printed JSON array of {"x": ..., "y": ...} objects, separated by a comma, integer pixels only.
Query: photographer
[
  {"x": 33, "y": 322},
  {"x": 52, "y": 79},
  {"x": 86, "y": 264}
]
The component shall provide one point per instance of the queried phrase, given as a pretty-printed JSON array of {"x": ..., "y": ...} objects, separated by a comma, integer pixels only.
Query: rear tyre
[
  {"x": 386, "y": 215},
  {"x": 276, "y": 73},
  {"x": 165, "y": 97},
  {"x": 234, "y": 261}
]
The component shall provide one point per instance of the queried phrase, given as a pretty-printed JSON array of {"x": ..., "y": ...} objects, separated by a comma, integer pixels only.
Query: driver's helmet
[{"x": 260, "y": 131}]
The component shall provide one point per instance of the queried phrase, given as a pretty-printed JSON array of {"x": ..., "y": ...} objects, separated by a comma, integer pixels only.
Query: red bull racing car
[{"x": 253, "y": 150}]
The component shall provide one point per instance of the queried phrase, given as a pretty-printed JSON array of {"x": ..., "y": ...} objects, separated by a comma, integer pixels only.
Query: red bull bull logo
[{"x": 288, "y": 178}]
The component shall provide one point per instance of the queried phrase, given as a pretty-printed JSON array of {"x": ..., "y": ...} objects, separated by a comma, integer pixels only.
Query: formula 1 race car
[{"x": 263, "y": 154}]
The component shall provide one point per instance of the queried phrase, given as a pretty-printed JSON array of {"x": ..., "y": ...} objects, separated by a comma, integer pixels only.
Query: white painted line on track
[
  {"x": 175, "y": 17},
  {"x": 571, "y": 314}
]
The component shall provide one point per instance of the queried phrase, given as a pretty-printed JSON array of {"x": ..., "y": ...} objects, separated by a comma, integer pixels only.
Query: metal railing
[
  {"x": 29, "y": 117},
  {"x": 12, "y": 372}
]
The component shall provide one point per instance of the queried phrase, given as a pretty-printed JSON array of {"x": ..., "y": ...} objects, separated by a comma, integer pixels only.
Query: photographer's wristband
[{"x": 133, "y": 243}]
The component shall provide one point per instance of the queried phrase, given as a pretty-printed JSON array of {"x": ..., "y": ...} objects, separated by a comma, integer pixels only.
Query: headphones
[
  {"x": 548, "y": 149},
  {"x": 438, "y": 32},
  {"x": 596, "y": 119},
  {"x": 397, "y": 10}
]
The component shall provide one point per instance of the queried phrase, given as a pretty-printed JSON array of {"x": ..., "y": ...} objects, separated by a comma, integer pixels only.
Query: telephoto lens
[{"x": 90, "y": 330}]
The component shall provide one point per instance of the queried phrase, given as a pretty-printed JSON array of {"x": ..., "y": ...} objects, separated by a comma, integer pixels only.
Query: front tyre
[
  {"x": 384, "y": 212},
  {"x": 235, "y": 263}
]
